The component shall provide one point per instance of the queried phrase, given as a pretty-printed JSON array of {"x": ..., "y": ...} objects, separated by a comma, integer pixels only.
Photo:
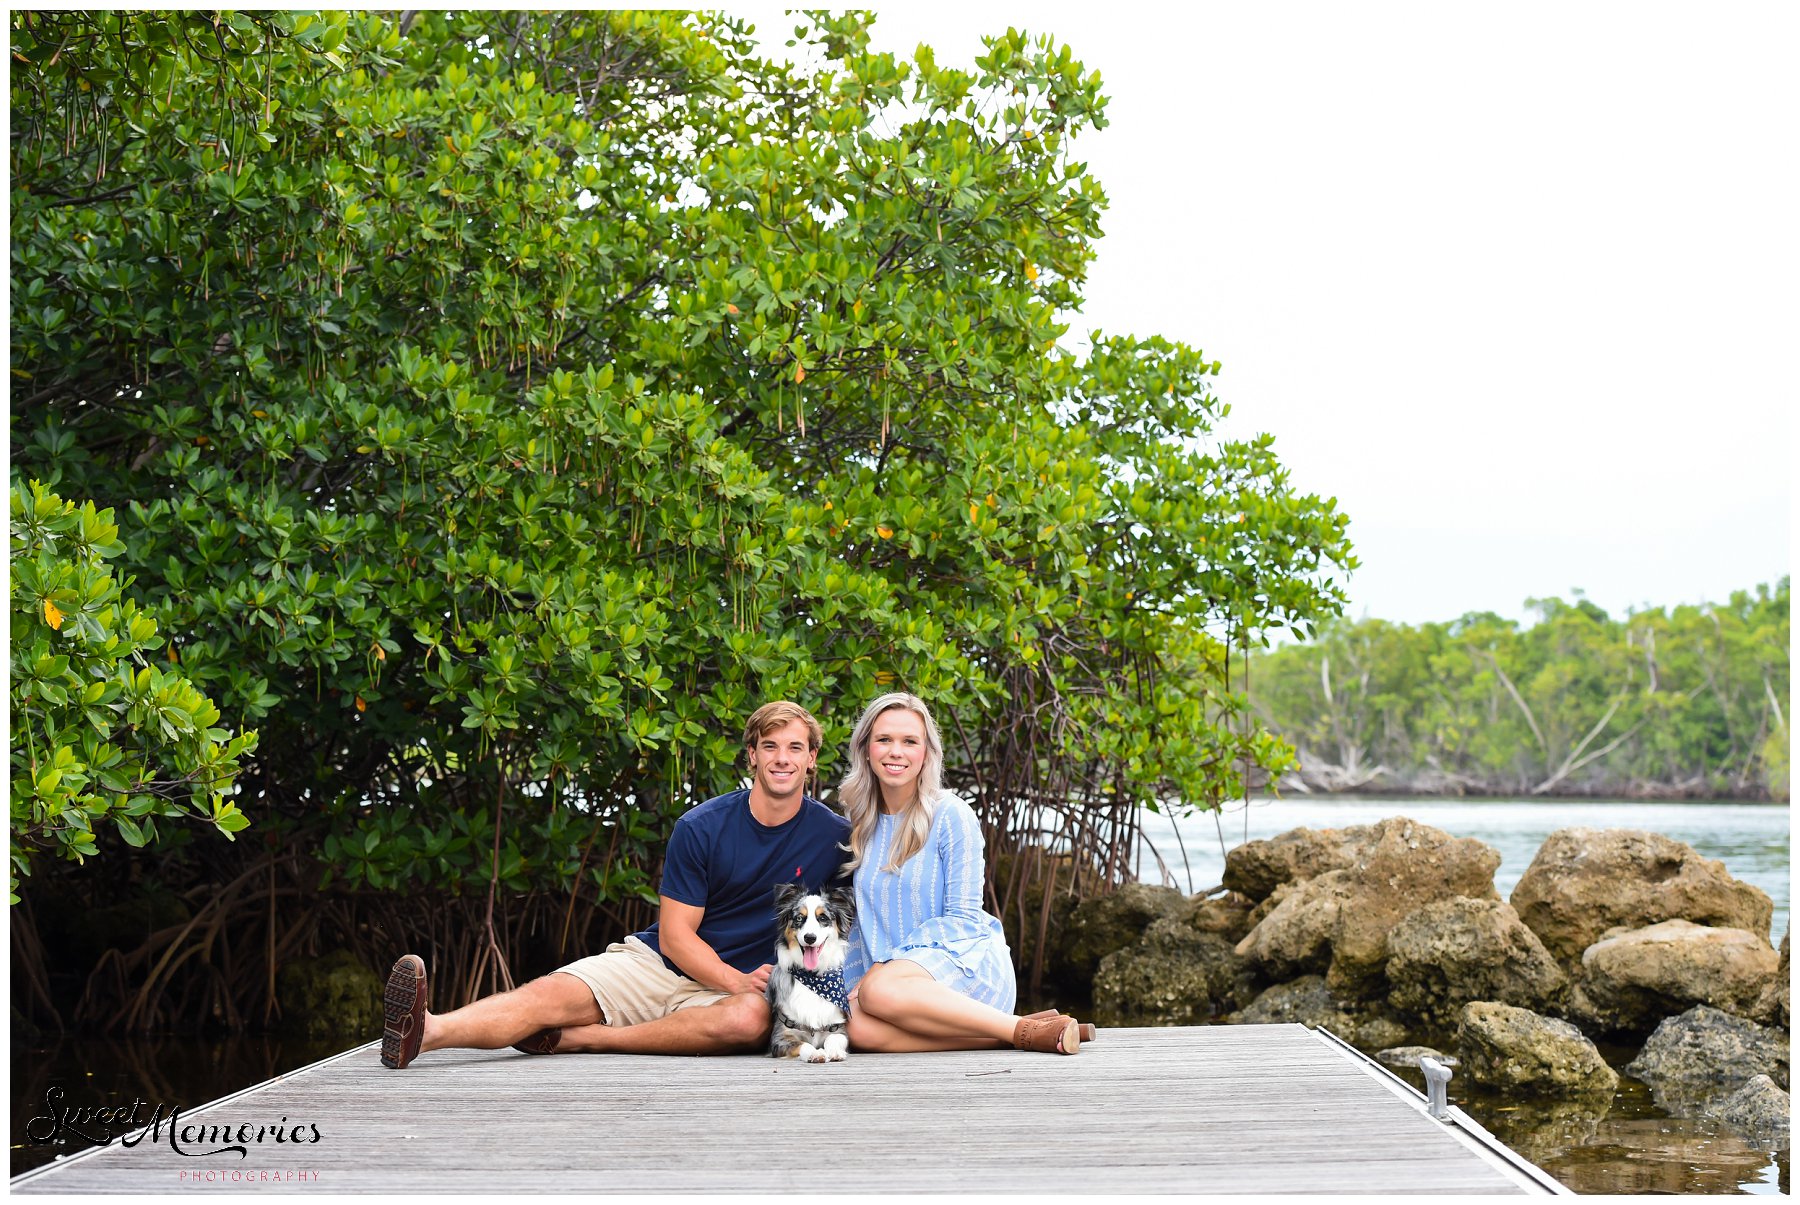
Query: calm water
[
  {"x": 1750, "y": 838},
  {"x": 1630, "y": 1145}
]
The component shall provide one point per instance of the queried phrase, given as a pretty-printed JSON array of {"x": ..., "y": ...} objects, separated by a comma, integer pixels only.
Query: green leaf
[{"x": 134, "y": 836}]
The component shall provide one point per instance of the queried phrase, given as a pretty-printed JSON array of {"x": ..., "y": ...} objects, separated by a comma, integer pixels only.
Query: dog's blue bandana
[{"x": 829, "y": 985}]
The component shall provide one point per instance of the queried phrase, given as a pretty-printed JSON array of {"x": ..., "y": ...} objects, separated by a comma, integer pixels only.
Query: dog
[{"x": 808, "y": 1002}]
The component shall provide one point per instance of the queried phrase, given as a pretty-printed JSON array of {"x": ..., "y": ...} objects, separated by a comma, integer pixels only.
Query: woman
[{"x": 928, "y": 968}]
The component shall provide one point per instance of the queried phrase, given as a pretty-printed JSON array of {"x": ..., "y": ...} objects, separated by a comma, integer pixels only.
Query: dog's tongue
[{"x": 810, "y": 955}]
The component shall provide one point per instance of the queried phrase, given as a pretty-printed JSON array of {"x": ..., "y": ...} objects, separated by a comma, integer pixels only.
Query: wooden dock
[{"x": 1267, "y": 1108}]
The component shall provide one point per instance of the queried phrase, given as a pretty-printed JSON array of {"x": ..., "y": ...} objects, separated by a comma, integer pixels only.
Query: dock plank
[{"x": 1202, "y": 1109}]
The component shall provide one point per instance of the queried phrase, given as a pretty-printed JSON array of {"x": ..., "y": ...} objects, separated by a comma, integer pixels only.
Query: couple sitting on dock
[{"x": 927, "y": 968}]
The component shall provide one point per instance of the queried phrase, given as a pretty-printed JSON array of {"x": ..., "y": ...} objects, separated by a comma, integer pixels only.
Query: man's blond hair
[{"x": 770, "y": 716}]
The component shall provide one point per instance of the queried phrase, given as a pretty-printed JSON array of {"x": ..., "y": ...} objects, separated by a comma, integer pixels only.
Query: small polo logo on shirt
[{"x": 797, "y": 871}]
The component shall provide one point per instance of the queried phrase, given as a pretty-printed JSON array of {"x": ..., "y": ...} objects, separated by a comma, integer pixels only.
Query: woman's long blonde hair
[{"x": 862, "y": 794}]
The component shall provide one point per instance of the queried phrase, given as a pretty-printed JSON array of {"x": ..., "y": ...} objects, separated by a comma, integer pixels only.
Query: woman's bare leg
[
  {"x": 870, "y": 1035},
  {"x": 905, "y": 997}
]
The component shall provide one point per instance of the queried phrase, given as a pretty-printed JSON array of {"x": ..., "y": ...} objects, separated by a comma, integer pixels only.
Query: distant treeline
[{"x": 1686, "y": 703}]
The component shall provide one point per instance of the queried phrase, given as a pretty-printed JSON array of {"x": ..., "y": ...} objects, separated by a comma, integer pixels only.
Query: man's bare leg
[
  {"x": 735, "y": 1025},
  {"x": 495, "y": 1022}
]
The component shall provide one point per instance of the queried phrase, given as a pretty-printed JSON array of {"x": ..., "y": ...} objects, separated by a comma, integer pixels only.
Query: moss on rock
[
  {"x": 1310, "y": 1002},
  {"x": 1174, "y": 974},
  {"x": 1107, "y": 923},
  {"x": 334, "y": 996},
  {"x": 1516, "y": 1050}
]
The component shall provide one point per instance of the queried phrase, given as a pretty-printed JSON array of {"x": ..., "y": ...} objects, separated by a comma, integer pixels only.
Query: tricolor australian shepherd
[{"x": 807, "y": 998}]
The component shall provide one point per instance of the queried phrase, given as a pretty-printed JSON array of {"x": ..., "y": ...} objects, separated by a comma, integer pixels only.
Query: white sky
[{"x": 1511, "y": 282}]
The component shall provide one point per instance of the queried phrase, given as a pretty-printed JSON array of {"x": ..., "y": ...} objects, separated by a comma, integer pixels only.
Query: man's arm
[{"x": 678, "y": 928}]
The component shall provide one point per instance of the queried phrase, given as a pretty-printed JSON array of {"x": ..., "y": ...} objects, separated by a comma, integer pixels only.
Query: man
[{"x": 693, "y": 982}]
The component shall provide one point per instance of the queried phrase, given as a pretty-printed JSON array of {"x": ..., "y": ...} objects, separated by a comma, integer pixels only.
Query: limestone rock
[
  {"x": 1295, "y": 937},
  {"x": 1407, "y": 866},
  {"x": 1705, "y": 1048},
  {"x": 1175, "y": 974},
  {"x": 1257, "y": 868},
  {"x": 331, "y": 996},
  {"x": 1516, "y": 1050},
  {"x": 1268, "y": 905},
  {"x": 1227, "y": 915},
  {"x": 1771, "y": 1008},
  {"x": 1341, "y": 918},
  {"x": 1106, "y": 923},
  {"x": 1308, "y": 1001},
  {"x": 1585, "y": 881},
  {"x": 1633, "y": 979},
  {"x": 1457, "y": 951},
  {"x": 1409, "y": 1056},
  {"x": 1759, "y": 1107}
]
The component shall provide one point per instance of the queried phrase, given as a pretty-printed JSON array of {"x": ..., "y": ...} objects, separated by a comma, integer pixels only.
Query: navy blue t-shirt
[{"x": 722, "y": 859}]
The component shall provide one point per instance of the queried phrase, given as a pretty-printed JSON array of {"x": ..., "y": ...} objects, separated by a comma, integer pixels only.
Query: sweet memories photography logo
[{"x": 74, "y": 1126}]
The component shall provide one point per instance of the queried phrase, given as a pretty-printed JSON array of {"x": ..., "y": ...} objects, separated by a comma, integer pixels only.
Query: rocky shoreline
[{"x": 1393, "y": 936}]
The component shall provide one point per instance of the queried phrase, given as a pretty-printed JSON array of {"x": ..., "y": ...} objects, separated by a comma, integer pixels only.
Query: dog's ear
[
  {"x": 787, "y": 893},
  {"x": 844, "y": 900}
]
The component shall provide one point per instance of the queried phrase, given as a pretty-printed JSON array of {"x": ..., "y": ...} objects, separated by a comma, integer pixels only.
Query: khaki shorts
[{"x": 632, "y": 984}]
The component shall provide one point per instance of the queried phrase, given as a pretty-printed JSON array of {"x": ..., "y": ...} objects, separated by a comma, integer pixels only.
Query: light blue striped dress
[{"x": 929, "y": 912}]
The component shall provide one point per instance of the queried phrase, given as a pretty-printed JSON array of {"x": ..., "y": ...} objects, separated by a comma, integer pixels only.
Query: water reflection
[
  {"x": 1542, "y": 1131},
  {"x": 1664, "y": 1155}
]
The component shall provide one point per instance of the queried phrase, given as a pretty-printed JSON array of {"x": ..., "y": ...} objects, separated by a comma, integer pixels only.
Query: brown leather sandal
[
  {"x": 542, "y": 1042},
  {"x": 403, "y": 1012},
  {"x": 1088, "y": 1031},
  {"x": 1056, "y": 1034}
]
